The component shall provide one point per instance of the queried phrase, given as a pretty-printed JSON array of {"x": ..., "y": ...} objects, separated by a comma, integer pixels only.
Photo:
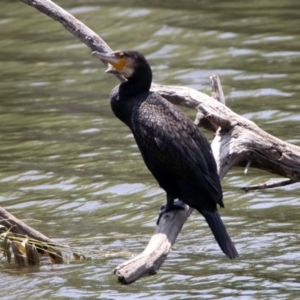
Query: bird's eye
[{"x": 121, "y": 55}]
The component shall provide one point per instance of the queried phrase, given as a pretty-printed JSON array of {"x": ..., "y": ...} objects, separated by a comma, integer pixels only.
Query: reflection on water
[{"x": 73, "y": 171}]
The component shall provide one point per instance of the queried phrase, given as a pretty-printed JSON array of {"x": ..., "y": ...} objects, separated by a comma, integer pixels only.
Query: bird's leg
[{"x": 169, "y": 206}]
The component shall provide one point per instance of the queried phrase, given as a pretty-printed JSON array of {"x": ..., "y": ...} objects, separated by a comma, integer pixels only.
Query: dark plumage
[{"x": 173, "y": 148}]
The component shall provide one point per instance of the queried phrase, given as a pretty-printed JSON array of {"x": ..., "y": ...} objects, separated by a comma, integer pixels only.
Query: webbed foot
[{"x": 178, "y": 204}]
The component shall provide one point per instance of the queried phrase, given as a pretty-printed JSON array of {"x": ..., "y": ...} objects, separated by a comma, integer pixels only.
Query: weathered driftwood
[
  {"x": 268, "y": 185},
  {"x": 20, "y": 229},
  {"x": 159, "y": 246},
  {"x": 237, "y": 141}
]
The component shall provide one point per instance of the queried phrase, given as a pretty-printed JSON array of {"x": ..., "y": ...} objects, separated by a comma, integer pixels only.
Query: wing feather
[{"x": 173, "y": 139}]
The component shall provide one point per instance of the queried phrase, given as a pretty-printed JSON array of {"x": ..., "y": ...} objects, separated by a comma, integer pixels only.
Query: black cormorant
[{"x": 173, "y": 148}]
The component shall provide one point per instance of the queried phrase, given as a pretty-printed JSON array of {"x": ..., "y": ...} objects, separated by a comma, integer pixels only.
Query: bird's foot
[{"x": 167, "y": 207}]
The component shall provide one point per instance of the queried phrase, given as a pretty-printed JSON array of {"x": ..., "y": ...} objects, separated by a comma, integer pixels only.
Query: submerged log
[
  {"x": 20, "y": 230},
  {"x": 237, "y": 142}
]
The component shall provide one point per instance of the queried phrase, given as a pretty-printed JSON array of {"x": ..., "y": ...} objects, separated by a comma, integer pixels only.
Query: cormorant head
[{"x": 125, "y": 62}]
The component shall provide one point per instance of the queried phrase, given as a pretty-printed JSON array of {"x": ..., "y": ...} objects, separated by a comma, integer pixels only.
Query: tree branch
[
  {"x": 268, "y": 185},
  {"x": 159, "y": 246},
  {"x": 19, "y": 228},
  {"x": 237, "y": 141},
  {"x": 217, "y": 91},
  {"x": 77, "y": 28}
]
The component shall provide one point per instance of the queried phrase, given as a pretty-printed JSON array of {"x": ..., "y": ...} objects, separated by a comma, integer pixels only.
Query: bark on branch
[
  {"x": 268, "y": 185},
  {"x": 237, "y": 142},
  {"x": 20, "y": 229}
]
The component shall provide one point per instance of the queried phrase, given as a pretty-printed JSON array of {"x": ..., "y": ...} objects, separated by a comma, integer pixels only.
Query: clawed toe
[{"x": 165, "y": 208}]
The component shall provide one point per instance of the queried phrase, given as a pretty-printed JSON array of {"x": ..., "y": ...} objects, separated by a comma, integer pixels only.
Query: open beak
[{"x": 111, "y": 58}]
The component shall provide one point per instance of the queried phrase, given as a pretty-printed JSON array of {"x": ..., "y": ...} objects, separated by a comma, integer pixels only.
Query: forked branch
[{"x": 237, "y": 141}]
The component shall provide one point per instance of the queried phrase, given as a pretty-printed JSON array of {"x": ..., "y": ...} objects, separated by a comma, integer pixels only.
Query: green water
[{"x": 71, "y": 170}]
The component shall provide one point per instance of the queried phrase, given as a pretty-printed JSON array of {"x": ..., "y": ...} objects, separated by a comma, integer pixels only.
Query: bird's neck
[{"x": 139, "y": 82}]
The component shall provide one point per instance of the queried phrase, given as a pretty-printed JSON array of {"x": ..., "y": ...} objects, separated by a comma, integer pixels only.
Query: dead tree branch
[
  {"x": 268, "y": 185},
  {"x": 237, "y": 141},
  {"x": 20, "y": 229},
  {"x": 159, "y": 246},
  {"x": 217, "y": 91}
]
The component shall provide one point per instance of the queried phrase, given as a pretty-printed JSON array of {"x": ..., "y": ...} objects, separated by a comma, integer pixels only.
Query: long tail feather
[{"x": 221, "y": 235}]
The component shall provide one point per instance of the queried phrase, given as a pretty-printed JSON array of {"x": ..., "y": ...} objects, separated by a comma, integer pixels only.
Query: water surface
[{"x": 71, "y": 170}]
